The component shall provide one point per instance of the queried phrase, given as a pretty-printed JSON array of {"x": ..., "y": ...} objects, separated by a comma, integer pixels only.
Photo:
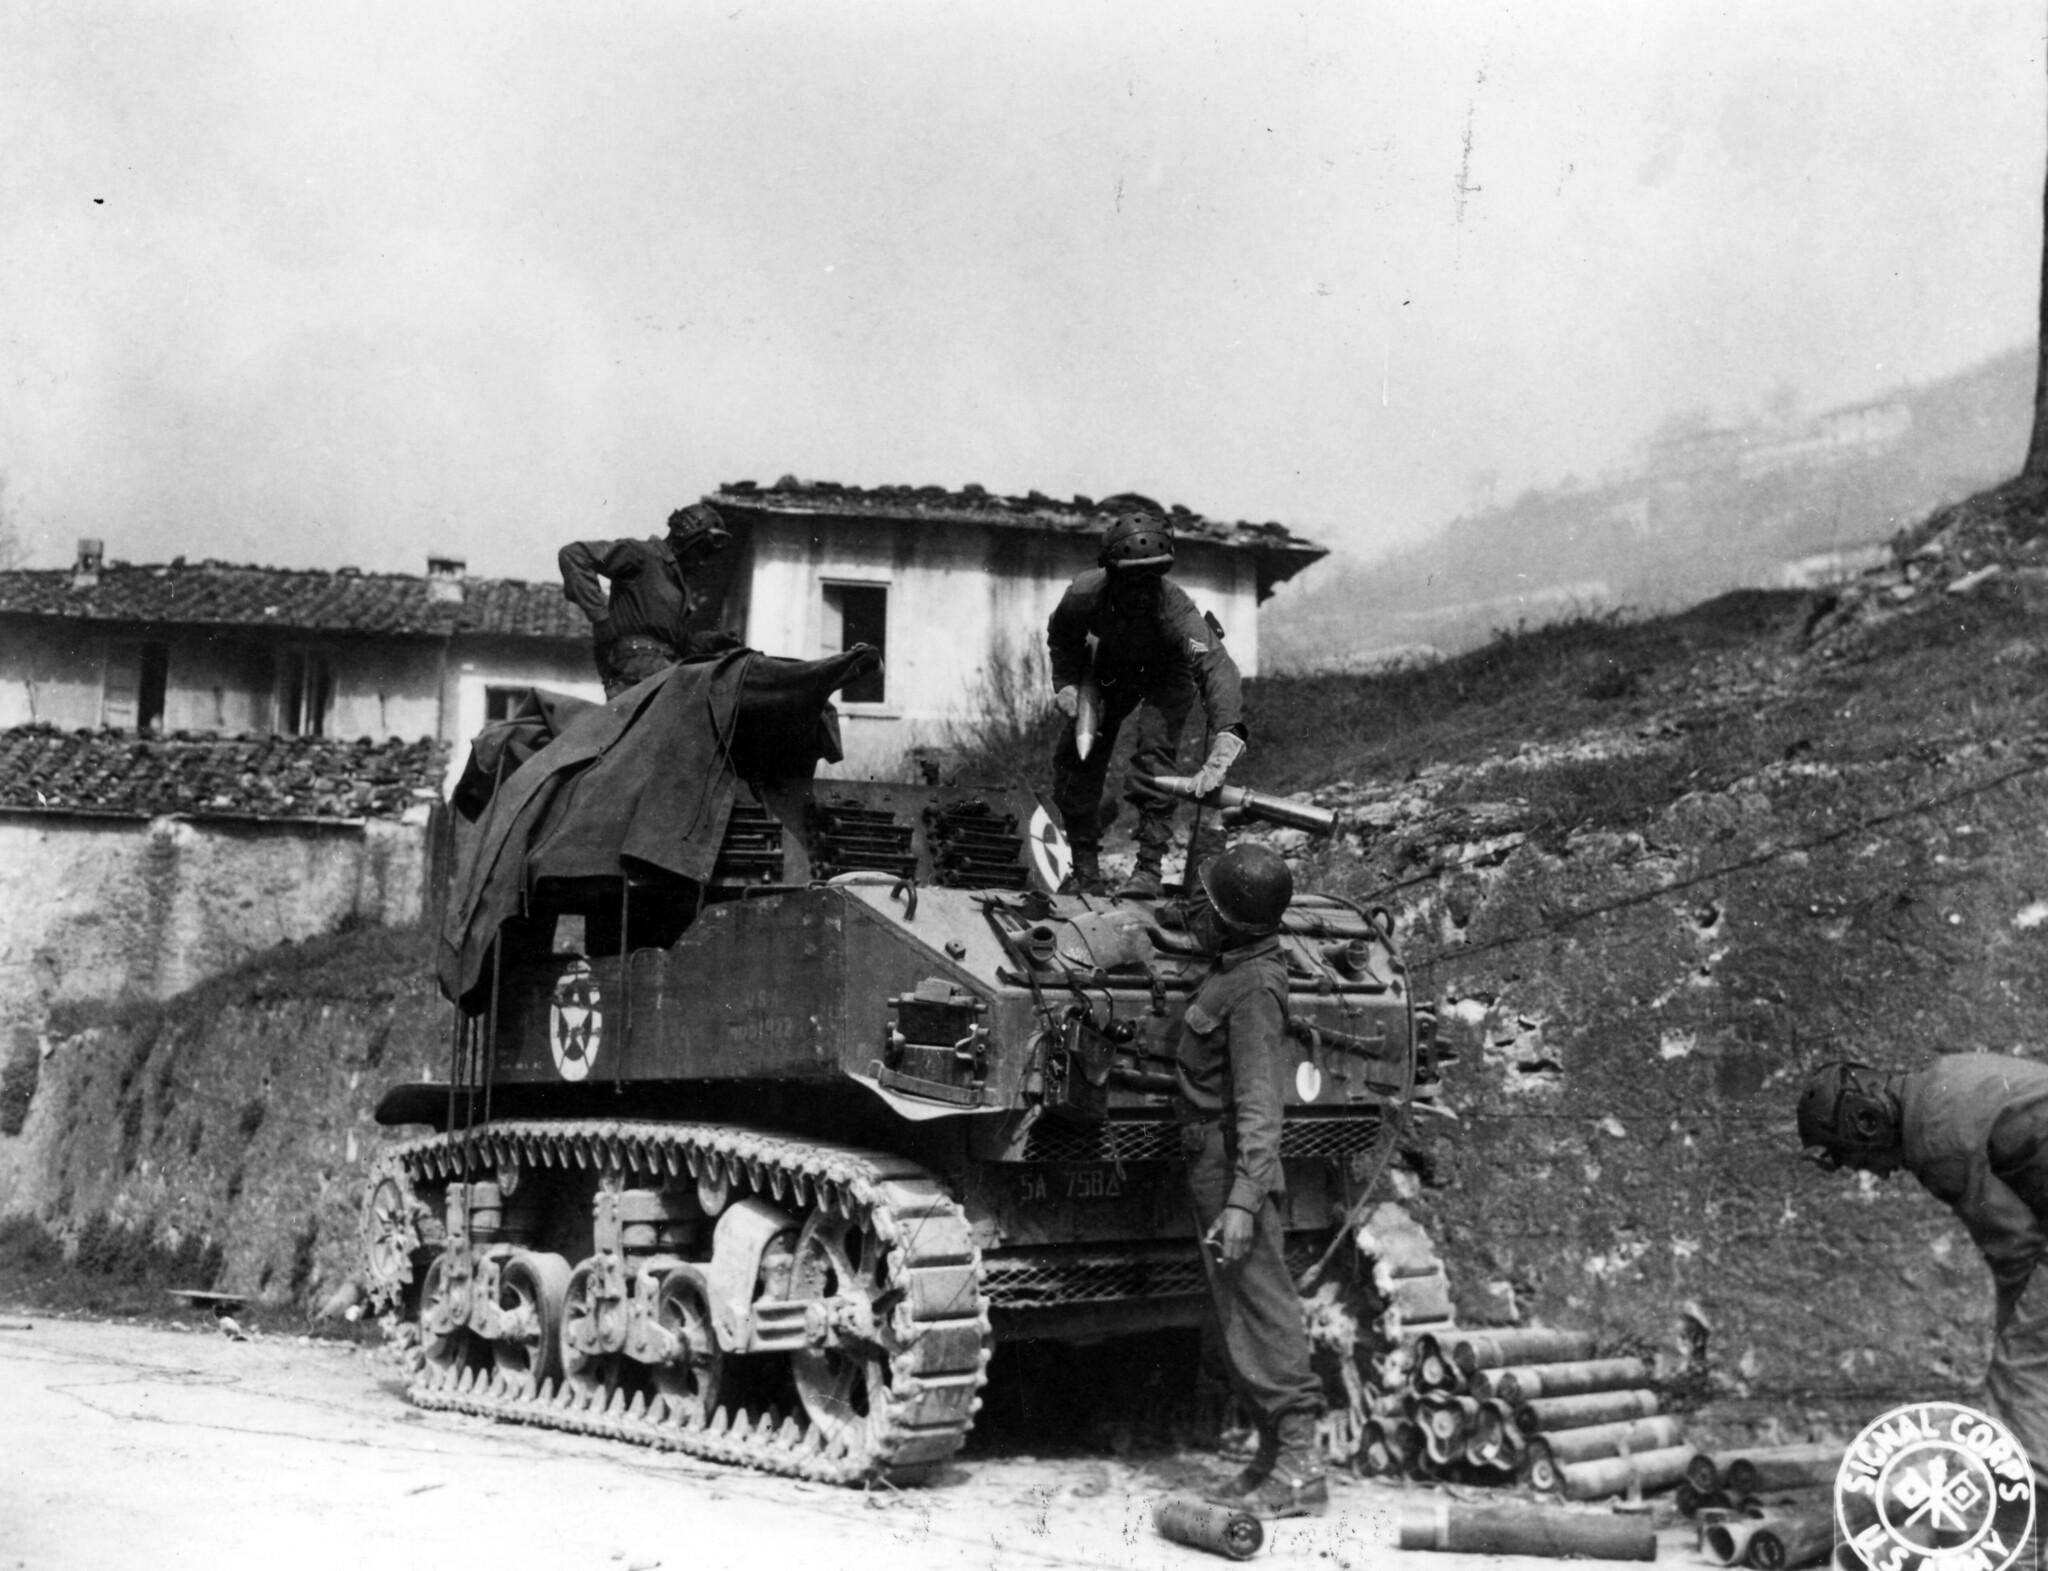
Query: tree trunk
[{"x": 2037, "y": 444}]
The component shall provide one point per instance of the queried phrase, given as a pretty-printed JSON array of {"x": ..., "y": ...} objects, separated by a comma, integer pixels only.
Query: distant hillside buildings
[{"x": 1711, "y": 506}]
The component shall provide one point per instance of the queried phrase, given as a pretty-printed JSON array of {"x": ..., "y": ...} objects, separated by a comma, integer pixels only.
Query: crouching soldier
[
  {"x": 1153, "y": 655},
  {"x": 1973, "y": 1129},
  {"x": 1231, "y": 1075}
]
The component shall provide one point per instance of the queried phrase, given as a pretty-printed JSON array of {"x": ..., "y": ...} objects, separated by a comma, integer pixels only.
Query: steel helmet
[
  {"x": 1249, "y": 886},
  {"x": 1138, "y": 538},
  {"x": 697, "y": 528},
  {"x": 1845, "y": 1109}
]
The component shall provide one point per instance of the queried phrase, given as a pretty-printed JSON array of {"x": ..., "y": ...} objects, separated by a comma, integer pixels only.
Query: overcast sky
[{"x": 344, "y": 284}]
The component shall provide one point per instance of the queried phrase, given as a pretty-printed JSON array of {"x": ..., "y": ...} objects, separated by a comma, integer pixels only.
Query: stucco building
[
  {"x": 953, "y": 584},
  {"x": 212, "y": 649}
]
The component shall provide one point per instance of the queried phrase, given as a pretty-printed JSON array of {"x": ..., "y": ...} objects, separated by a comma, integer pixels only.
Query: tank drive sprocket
[
  {"x": 859, "y": 1295},
  {"x": 396, "y": 1227}
]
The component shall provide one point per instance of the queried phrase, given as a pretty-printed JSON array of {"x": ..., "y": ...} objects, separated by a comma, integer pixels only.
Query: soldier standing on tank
[
  {"x": 1231, "y": 1074},
  {"x": 642, "y": 626},
  {"x": 1973, "y": 1129},
  {"x": 1152, "y": 654}
]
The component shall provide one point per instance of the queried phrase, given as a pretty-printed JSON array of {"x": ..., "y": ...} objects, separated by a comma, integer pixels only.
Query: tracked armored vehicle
[{"x": 775, "y": 1104}]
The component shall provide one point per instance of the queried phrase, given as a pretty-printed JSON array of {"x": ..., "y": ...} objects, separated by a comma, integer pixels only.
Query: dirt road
[{"x": 139, "y": 1446}]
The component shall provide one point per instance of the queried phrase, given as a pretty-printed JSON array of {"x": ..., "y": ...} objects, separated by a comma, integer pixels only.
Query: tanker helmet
[
  {"x": 1846, "y": 1113},
  {"x": 1249, "y": 886},
  {"x": 1137, "y": 541},
  {"x": 697, "y": 530}
]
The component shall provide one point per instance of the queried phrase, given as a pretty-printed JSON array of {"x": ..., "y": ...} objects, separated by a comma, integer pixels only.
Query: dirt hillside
[{"x": 1650, "y": 873}]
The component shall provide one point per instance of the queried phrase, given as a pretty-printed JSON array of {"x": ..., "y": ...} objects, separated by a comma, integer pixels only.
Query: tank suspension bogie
[{"x": 829, "y": 1323}]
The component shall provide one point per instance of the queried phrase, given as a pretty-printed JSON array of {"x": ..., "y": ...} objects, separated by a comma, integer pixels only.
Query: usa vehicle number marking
[{"x": 1085, "y": 1181}]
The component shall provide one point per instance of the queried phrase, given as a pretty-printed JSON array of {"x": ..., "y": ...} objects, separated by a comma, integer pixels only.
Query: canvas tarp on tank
[{"x": 572, "y": 789}]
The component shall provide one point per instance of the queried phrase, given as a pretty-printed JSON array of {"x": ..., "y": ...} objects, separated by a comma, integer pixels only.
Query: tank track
[{"x": 938, "y": 1324}]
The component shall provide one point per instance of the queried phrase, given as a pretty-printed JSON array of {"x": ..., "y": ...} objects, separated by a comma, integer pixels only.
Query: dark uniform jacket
[
  {"x": 1974, "y": 1127},
  {"x": 649, "y": 594},
  {"x": 1232, "y": 1064},
  {"x": 1177, "y": 638}
]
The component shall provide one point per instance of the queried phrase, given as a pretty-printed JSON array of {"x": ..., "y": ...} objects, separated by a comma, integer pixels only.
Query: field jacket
[
  {"x": 1233, "y": 1063},
  {"x": 1974, "y": 1127},
  {"x": 1143, "y": 653},
  {"x": 649, "y": 594}
]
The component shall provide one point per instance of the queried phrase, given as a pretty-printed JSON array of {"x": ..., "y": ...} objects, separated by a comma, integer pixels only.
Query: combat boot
[
  {"x": 1296, "y": 1486},
  {"x": 1086, "y": 877},
  {"x": 1144, "y": 882},
  {"x": 1234, "y": 1492}
]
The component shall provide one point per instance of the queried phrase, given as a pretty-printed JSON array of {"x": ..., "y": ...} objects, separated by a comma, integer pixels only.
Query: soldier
[
  {"x": 1153, "y": 652},
  {"x": 1231, "y": 1073},
  {"x": 641, "y": 626},
  {"x": 1973, "y": 1128}
]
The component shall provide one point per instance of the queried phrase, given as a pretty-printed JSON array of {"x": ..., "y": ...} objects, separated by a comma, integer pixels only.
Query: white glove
[
  {"x": 1069, "y": 701},
  {"x": 1222, "y": 754}
]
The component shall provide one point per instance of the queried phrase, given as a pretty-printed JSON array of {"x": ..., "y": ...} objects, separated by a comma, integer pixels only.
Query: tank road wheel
[
  {"x": 689, "y": 1382},
  {"x": 842, "y": 1387},
  {"x": 447, "y": 1345},
  {"x": 527, "y": 1349},
  {"x": 594, "y": 1325}
]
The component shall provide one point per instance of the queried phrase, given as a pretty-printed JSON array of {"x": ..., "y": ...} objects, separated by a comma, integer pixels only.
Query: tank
[{"x": 775, "y": 1105}]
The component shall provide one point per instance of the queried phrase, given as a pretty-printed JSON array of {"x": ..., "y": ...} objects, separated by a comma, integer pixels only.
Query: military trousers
[
  {"x": 1163, "y": 707},
  {"x": 627, "y": 662},
  {"x": 1257, "y": 1311},
  {"x": 2016, "y": 1383}
]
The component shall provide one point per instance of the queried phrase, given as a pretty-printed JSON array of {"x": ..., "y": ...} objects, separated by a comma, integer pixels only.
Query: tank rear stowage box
[{"x": 774, "y": 1104}]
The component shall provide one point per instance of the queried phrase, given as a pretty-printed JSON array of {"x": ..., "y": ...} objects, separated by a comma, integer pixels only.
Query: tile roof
[
  {"x": 217, "y": 593},
  {"x": 1282, "y": 553},
  {"x": 119, "y": 774}
]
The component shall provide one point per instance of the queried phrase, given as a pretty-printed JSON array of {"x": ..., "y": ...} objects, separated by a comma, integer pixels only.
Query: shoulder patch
[{"x": 1197, "y": 646}]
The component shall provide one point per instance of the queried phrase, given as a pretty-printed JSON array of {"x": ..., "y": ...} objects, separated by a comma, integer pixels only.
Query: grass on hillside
[
  {"x": 1527, "y": 684},
  {"x": 354, "y": 964},
  {"x": 108, "y": 1267},
  {"x": 1531, "y": 683}
]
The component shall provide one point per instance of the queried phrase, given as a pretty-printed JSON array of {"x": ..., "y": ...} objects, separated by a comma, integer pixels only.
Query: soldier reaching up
[{"x": 1231, "y": 1075}]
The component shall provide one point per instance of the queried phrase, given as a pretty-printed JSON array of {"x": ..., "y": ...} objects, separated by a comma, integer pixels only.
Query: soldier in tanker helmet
[
  {"x": 1973, "y": 1129},
  {"x": 1133, "y": 632},
  {"x": 1231, "y": 1071},
  {"x": 642, "y": 625}
]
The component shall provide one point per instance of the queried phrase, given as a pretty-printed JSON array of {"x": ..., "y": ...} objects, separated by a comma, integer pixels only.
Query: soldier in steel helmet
[
  {"x": 1231, "y": 1076},
  {"x": 1973, "y": 1129},
  {"x": 642, "y": 625},
  {"x": 1125, "y": 629}
]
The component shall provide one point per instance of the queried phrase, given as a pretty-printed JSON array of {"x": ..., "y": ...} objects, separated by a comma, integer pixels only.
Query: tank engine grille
[
  {"x": 751, "y": 852},
  {"x": 1035, "y": 1281},
  {"x": 975, "y": 847},
  {"x": 1043, "y": 1280},
  {"x": 1158, "y": 1140},
  {"x": 849, "y": 838}
]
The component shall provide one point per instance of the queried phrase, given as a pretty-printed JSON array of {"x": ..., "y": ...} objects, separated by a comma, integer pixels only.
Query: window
[
  {"x": 858, "y": 614},
  {"x": 503, "y": 703},
  {"x": 150, "y": 688},
  {"x": 137, "y": 681},
  {"x": 305, "y": 694}
]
